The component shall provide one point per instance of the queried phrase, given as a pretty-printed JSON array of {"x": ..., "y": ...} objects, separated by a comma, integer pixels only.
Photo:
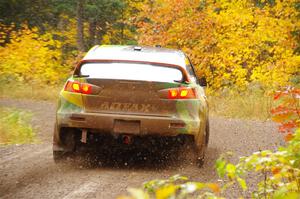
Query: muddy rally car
[{"x": 131, "y": 95}]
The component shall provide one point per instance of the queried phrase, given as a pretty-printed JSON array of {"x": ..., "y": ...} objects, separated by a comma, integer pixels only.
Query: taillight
[
  {"x": 181, "y": 93},
  {"x": 173, "y": 93},
  {"x": 86, "y": 88},
  {"x": 78, "y": 87}
]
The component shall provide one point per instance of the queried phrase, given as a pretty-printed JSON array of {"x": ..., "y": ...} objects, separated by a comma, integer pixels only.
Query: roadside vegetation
[
  {"x": 278, "y": 172},
  {"x": 19, "y": 90},
  {"x": 252, "y": 104},
  {"x": 15, "y": 127}
]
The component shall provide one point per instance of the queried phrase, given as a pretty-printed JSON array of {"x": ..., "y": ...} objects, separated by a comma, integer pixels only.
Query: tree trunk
[
  {"x": 92, "y": 33},
  {"x": 80, "y": 36},
  {"x": 122, "y": 27},
  {"x": 100, "y": 32}
]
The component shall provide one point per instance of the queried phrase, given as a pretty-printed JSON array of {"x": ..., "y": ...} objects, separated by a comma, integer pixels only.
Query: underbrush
[
  {"x": 20, "y": 90},
  {"x": 15, "y": 127}
]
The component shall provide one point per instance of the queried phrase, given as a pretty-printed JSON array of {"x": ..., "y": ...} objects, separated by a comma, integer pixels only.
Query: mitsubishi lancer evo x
[{"x": 128, "y": 94}]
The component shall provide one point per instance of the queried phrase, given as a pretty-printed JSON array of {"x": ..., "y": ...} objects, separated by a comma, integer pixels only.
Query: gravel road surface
[{"x": 28, "y": 171}]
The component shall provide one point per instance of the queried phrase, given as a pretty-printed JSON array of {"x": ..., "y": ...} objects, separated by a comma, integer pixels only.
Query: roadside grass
[
  {"x": 15, "y": 127},
  {"x": 249, "y": 104},
  {"x": 18, "y": 90}
]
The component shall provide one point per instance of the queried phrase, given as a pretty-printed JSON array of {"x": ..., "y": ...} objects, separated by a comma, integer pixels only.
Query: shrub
[
  {"x": 15, "y": 127},
  {"x": 31, "y": 57}
]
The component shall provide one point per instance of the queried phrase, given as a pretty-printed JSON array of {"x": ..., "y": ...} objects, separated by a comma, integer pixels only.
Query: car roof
[{"x": 137, "y": 53}]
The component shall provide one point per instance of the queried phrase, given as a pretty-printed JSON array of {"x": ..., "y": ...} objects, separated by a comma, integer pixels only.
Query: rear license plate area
[{"x": 127, "y": 127}]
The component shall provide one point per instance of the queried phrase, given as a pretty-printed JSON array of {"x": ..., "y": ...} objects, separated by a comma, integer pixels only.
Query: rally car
[{"x": 128, "y": 93}]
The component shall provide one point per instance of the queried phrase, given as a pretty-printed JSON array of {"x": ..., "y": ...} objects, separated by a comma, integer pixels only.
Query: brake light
[
  {"x": 181, "y": 93},
  {"x": 86, "y": 88},
  {"x": 184, "y": 92},
  {"x": 78, "y": 87},
  {"x": 173, "y": 93}
]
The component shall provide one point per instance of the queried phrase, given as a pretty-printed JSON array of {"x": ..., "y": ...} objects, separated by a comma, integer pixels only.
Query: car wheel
[
  {"x": 201, "y": 150},
  {"x": 59, "y": 156},
  {"x": 69, "y": 144}
]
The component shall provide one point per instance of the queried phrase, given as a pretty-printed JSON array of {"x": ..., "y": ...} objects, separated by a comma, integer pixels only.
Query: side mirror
[{"x": 203, "y": 82}]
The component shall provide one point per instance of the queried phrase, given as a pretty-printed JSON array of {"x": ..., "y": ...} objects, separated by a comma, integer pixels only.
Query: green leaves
[
  {"x": 242, "y": 183},
  {"x": 231, "y": 171},
  {"x": 221, "y": 167}
]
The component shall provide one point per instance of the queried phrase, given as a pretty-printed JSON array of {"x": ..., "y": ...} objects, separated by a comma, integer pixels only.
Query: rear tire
[
  {"x": 200, "y": 155},
  {"x": 201, "y": 150},
  {"x": 59, "y": 156},
  {"x": 68, "y": 139}
]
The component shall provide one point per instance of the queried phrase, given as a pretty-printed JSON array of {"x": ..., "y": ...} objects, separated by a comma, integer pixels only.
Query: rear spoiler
[{"x": 76, "y": 72}]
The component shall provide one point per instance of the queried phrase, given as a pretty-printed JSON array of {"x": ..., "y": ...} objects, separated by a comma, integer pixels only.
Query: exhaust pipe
[
  {"x": 83, "y": 136},
  {"x": 126, "y": 139}
]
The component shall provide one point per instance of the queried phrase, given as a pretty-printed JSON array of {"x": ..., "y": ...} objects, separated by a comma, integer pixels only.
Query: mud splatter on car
[{"x": 130, "y": 93}]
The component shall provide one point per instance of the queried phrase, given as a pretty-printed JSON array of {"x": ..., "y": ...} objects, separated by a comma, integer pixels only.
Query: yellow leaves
[
  {"x": 214, "y": 187},
  {"x": 231, "y": 42},
  {"x": 242, "y": 183},
  {"x": 30, "y": 57},
  {"x": 66, "y": 30},
  {"x": 166, "y": 191}
]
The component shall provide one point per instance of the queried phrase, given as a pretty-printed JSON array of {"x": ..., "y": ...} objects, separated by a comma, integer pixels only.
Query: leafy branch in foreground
[
  {"x": 287, "y": 113},
  {"x": 175, "y": 187},
  {"x": 280, "y": 171}
]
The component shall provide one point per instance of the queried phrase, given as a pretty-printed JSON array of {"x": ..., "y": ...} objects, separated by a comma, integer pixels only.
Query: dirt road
[{"x": 28, "y": 171}]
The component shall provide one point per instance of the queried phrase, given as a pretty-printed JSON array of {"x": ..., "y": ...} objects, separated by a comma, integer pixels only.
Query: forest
[
  {"x": 248, "y": 51},
  {"x": 234, "y": 44}
]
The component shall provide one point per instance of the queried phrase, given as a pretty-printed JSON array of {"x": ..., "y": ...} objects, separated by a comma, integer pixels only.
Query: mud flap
[{"x": 200, "y": 145}]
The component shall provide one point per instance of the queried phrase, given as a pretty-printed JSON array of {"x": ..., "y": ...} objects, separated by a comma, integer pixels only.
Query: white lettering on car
[{"x": 115, "y": 106}]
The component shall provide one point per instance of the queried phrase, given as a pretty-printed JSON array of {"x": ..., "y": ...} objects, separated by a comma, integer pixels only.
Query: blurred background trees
[
  {"x": 42, "y": 40},
  {"x": 235, "y": 44}
]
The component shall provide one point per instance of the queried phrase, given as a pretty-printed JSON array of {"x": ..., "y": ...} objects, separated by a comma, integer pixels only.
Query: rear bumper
[{"x": 148, "y": 125}]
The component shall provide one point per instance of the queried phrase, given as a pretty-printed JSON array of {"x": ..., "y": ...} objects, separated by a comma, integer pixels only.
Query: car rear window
[{"x": 131, "y": 71}]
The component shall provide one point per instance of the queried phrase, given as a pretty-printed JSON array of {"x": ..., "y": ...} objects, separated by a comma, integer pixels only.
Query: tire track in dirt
[{"x": 28, "y": 153}]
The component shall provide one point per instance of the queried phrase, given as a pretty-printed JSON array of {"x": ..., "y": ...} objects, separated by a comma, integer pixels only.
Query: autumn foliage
[
  {"x": 287, "y": 111},
  {"x": 232, "y": 43},
  {"x": 31, "y": 57},
  {"x": 236, "y": 45}
]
